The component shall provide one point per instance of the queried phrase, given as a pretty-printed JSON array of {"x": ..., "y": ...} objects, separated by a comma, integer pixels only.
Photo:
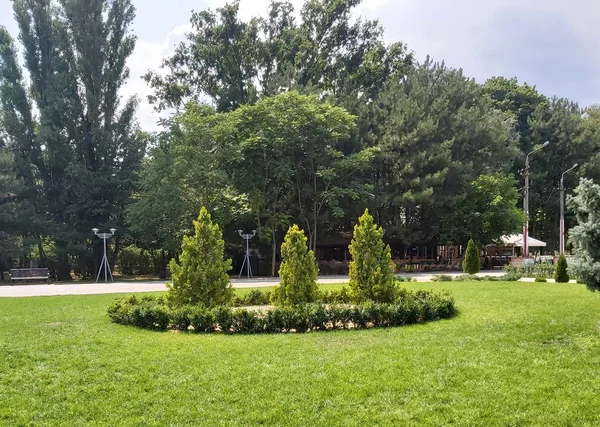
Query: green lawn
[{"x": 517, "y": 354}]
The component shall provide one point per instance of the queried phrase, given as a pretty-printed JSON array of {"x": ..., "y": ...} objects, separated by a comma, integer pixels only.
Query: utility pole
[
  {"x": 526, "y": 200},
  {"x": 562, "y": 210}
]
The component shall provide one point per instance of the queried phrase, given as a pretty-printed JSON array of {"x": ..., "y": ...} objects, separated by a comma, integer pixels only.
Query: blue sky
[{"x": 552, "y": 44}]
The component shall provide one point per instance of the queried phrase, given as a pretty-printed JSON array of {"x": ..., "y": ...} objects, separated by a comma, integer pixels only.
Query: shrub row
[
  {"x": 257, "y": 297},
  {"x": 537, "y": 270},
  {"x": 510, "y": 277},
  {"x": 409, "y": 308}
]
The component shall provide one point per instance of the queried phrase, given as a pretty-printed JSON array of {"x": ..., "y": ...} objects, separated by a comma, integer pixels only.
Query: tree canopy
[{"x": 302, "y": 117}]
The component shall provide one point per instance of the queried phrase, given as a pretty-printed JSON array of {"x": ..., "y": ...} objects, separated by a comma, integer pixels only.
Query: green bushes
[
  {"x": 407, "y": 308},
  {"x": 471, "y": 264},
  {"x": 298, "y": 271},
  {"x": 201, "y": 276},
  {"x": 544, "y": 269},
  {"x": 151, "y": 315},
  {"x": 136, "y": 261},
  {"x": 442, "y": 278},
  {"x": 341, "y": 296},
  {"x": 371, "y": 268},
  {"x": 254, "y": 297},
  {"x": 560, "y": 274}
]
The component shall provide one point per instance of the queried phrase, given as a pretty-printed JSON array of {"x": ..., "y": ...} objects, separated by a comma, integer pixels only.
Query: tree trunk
[
  {"x": 63, "y": 270},
  {"x": 273, "y": 254}
]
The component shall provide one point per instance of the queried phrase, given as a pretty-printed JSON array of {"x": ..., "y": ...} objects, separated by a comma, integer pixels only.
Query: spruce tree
[
  {"x": 560, "y": 274},
  {"x": 201, "y": 276},
  {"x": 298, "y": 271},
  {"x": 471, "y": 264},
  {"x": 371, "y": 269},
  {"x": 585, "y": 202}
]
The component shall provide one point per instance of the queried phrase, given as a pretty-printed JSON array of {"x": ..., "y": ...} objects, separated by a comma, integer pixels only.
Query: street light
[
  {"x": 562, "y": 209},
  {"x": 247, "y": 238},
  {"x": 104, "y": 263},
  {"x": 526, "y": 199}
]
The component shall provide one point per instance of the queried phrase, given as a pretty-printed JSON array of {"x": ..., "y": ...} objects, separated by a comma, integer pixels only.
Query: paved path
[{"x": 25, "y": 290}]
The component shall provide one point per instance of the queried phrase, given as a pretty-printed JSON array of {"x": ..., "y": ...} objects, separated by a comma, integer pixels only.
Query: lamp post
[
  {"x": 526, "y": 199},
  {"x": 247, "y": 238},
  {"x": 104, "y": 263},
  {"x": 562, "y": 209}
]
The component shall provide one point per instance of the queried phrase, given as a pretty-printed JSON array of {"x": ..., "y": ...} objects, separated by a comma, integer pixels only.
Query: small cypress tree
[
  {"x": 471, "y": 264},
  {"x": 560, "y": 274},
  {"x": 298, "y": 271},
  {"x": 371, "y": 268},
  {"x": 201, "y": 276}
]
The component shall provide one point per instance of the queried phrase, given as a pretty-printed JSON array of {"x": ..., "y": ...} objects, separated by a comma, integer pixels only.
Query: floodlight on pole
[
  {"x": 104, "y": 264},
  {"x": 247, "y": 237},
  {"x": 562, "y": 210},
  {"x": 526, "y": 199}
]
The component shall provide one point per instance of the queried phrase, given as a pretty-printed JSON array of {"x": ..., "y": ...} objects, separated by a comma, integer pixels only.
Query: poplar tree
[{"x": 77, "y": 144}]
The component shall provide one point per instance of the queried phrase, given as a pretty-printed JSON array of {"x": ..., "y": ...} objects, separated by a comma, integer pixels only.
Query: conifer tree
[
  {"x": 585, "y": 202},
  {"x": 371, "y": 269},
  {"x": 298, "y": 271},
  {"x": 471, "y": 264},
  {"x": 561, "y": 275},
  {"x": 201, "y": 276}
]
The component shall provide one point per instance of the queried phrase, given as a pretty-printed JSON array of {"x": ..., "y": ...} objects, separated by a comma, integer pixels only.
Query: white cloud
[{"x": 149, "y": 56}]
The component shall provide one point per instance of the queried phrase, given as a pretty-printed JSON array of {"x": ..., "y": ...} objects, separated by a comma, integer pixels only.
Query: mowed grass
[{"x": 517, "y": 354}]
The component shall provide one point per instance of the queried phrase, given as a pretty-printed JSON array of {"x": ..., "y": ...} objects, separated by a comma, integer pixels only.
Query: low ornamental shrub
[
  {"x": 541, "y": 279},
  {"x": 202, "y": 319},
  {"x": 181, "y": 318},
  {"x": 336, "y": 296},
  {"x": 255, "y": 297},
  {"x": 511, "y": 277},
  {"x": 442, "y": 278},
  {"x": 151, "y": 315},
  {"x": 120, "y": 310},
  {"x": 544, "y": 269},
  {"x": 408, "y": 308}
]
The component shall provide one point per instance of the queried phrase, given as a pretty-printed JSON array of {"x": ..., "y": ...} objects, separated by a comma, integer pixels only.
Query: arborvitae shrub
[
  {"x": 560, "y": 274},
  {"x": 371, "y": 268},
  {"x": 298, "y": 271},
  {"x": 201, "y": 276},
  {"x": 471, "y": 264}
]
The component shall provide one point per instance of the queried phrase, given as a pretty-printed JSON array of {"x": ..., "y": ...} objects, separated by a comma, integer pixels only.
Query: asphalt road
[{"x": 32, "y": 290}]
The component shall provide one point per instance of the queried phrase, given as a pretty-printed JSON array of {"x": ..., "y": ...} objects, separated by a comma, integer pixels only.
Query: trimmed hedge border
[{"x": 409, "y": 308}]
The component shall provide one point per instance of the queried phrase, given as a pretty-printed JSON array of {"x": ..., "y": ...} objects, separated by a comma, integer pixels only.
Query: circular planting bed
[{"x": 407, "y": 308}]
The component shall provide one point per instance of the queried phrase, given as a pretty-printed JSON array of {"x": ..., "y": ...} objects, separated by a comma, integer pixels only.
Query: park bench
[{"x": 29, "y": 274}]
